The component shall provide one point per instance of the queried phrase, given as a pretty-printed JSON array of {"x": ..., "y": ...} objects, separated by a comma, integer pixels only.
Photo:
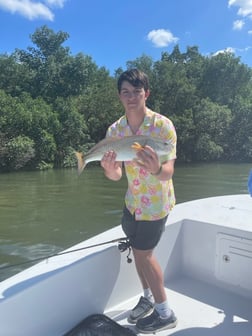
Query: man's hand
[
  {"x": 112, "y": 168},
  {"x": 148, "y": 159}
]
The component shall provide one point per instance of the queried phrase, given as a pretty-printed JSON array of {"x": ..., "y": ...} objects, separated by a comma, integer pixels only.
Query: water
[{"x": 42, "y": 213}]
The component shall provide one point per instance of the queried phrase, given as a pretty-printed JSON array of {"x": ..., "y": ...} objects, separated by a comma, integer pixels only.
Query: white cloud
[
  {"x": 161, "y": 38},
  {"x": 245, "y": 49},
  {"x": 55, "y": 3},
  {"x": 32, "y": 9},
  {"x": 233, "y": 50},
  {"x": 224, "y": 51},
  {"x": 250, "y": 32},
  {"x": 245, "y": 7},
  {"x": 238, "y": 24}
]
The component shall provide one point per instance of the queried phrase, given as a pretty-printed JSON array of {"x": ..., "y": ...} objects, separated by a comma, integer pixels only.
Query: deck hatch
[{"x": 233, "y": 263}]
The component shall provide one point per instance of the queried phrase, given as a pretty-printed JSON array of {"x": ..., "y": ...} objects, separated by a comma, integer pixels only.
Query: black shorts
[{"x": 143, "y": 235}]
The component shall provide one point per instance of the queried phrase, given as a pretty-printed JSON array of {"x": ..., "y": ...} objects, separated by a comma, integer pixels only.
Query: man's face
[{"x": 132, "y": 97}]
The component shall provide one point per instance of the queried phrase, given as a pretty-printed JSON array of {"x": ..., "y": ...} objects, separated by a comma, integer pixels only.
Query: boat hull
[{"x": 198, "y": 253}]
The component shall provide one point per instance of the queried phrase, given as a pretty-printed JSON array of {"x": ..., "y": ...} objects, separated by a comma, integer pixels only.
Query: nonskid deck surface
[{"x": 201, "y": 309}]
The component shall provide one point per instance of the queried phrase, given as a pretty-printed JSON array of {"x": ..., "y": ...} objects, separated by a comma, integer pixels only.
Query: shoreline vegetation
[{"x": 53, "y": 103}]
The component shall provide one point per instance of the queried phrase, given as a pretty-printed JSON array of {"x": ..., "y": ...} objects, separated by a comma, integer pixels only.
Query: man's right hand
[{"x": 112, "y": 168}]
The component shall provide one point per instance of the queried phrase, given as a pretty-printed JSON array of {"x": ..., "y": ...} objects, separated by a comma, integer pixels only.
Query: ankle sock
[
  {"x": 163, "y": 309},
  {"x": 148, "y": 295}
]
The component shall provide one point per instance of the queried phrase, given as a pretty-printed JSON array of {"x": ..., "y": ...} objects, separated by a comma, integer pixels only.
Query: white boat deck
[
  {"x": 205, "y": 253},
  {"x": 209, "y": 274},
  {"x": 201, "y": 309}
]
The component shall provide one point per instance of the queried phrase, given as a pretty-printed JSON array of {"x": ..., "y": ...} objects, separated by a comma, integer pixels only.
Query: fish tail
[{"x": 81, "y": 162}]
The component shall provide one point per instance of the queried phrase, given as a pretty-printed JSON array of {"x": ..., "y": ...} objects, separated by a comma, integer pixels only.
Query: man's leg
[{"x": 150, "y": 273}]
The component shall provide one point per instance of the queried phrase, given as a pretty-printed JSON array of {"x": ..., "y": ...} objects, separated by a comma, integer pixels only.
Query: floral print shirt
[{"x": 147, "y": 196}]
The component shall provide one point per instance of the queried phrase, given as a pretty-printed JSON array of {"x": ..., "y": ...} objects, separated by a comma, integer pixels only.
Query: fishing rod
[{"x": 123, "y": 245}]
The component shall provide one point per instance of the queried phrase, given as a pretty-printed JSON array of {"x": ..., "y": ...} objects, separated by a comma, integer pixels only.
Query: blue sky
[{"x": 114, "y": 32}]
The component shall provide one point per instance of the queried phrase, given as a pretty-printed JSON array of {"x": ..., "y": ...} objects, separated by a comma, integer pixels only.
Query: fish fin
[
  {"x": 104, "y": 141},
  {"x": 138, "y": 162},
  {"x": 81, "y": 162},
  {"x": 137, "y": 146}
]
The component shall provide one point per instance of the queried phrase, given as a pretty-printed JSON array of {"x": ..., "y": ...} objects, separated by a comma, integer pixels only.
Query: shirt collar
[{"x": 147, "y": 122}]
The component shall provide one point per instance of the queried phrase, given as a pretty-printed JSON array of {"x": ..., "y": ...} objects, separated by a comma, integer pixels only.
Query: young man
[{"x": 149, "y": 198}]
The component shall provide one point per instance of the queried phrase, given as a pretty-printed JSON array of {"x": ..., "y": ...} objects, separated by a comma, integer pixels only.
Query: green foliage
[
  {"x": 206, "y": 149},
  {"x": 53, "y": 71},
  {"x": 53, "y": 103},
  {"x": 186, "y": 131},
  {"x": 211, "y": 122},
  {"x": 224, "y": 78},
  {"x": 44, "y": 165},
  {"x": 69, "y": 158},
  {"x": 100, "y": 105},
  {"x": 16, "y": 152},
  {"x": 240, "y": 130}
]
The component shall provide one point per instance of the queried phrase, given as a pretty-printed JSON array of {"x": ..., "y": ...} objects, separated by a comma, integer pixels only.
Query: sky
[{"x": 113, "y": 32}]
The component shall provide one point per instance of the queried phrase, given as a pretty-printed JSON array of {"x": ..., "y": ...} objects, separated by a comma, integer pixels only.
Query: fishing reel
[{"x": 123, "y": 246}]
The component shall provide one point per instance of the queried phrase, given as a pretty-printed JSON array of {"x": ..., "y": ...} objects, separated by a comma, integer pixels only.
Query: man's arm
[{"x": 166, "y": 170}]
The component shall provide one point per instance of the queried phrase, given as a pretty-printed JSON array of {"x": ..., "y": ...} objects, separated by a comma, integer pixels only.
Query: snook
[{"x": 125, "y": 149}]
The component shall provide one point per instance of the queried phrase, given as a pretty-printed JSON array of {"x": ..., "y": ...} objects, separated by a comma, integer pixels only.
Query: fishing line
[{"x": 122, "y": 246}]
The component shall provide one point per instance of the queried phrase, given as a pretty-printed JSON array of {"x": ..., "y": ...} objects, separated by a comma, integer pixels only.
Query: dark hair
[{"x": 135, "y": 77}]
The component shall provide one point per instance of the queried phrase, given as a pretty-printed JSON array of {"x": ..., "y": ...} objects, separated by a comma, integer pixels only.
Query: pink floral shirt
[{"x": 147, "y": 196}]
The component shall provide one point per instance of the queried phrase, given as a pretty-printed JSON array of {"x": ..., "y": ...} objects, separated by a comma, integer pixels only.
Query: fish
[{"x": 125, "y": 148}]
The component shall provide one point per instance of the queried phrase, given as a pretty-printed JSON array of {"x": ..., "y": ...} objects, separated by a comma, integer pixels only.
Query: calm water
[{"x": 42, "y": 213}]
